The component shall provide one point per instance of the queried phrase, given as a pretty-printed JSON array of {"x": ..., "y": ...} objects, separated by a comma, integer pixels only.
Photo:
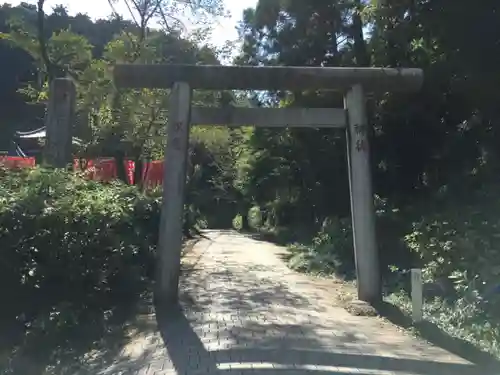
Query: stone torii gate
[{"x": 353, "y": 82}]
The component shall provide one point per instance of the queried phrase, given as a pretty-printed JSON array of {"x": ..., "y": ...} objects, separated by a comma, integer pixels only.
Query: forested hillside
[{"x": 435, "y": 154}]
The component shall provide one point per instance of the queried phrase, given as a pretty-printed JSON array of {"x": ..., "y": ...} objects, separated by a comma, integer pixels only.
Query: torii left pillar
[{"x": 174, "y": 181}]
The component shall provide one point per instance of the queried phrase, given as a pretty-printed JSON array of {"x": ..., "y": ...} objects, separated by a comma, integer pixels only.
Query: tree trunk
[
  {"x": 121, "y": 172},
  {"x": 139, "y": 166},
  {"x": 360, "y": 51}
]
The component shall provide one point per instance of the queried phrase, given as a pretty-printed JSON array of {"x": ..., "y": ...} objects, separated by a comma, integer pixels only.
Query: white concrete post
[
  {"x": 416, "y": 295},
  {"x": 59, "y": 122},
  {"x": 362, "y": 210},
  {"x": 174, "y": 179}
]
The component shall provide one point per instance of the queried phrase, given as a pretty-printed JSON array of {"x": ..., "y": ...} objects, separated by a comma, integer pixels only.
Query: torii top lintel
[{"x": 221, "y": 77}]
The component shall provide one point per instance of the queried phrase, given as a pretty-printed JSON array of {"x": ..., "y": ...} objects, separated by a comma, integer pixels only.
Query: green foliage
[
  {"x": 74, "y": 253},
  {"x": 330, "y": 251},
  {"x": 460, "y": 319},
  {"x": 436, "y": 137},
  {"x": 455, "y": 243},
  {"x": 237, "y": 222},
  {"x": 460, "y": 243},
  {"x": 255, "y": 218},
  {"x": 110, "y": 122},
  {"x": 132, "y": 122},
  {"x": 67, "y": 50}
]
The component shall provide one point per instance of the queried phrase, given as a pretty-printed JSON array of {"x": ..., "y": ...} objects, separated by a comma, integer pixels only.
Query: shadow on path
[
  {"x": 427, "y": 330},
  {"x": 272, "y": 356},
  {"x": 247, "y": 320},
  {"x": 433, "y": 334}
]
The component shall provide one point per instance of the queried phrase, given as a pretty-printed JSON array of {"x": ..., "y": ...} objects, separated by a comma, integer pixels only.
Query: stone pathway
[{"x": 244, "y": 312}]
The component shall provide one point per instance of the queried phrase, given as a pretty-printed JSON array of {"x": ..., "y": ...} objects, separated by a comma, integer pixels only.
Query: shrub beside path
[{"x": 244, "y": 312}]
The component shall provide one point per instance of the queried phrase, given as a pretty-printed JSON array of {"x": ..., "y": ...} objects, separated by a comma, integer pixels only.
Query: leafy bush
[
  {"x": 330, "y": 251},
  {"x": 75, "y": 255},
  {"x": 459, "y": 319},
  {"x": 458, "y": 250},
  {"x": 255, "y": 217},
  {"x": 461, "y": 244},
  {"x": 238, "y": 222},
  {"x": 456, "y": 243}
]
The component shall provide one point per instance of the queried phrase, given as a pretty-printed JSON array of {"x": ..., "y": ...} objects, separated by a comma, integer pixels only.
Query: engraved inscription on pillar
[
  {"x": 360, "y": 138},
  {"x": 176, "y": 141}
]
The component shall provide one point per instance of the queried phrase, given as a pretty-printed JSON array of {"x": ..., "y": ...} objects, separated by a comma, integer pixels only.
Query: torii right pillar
[{"x": 361, "y": 192}]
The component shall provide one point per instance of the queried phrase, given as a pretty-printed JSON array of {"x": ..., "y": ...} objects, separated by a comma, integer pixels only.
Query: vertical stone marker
[
  {"x": 360, "y": 184},
  {"x": 59, "y": 124},
  {"x": 174, "y": 179},
  {"x": 416, "y": 295}
]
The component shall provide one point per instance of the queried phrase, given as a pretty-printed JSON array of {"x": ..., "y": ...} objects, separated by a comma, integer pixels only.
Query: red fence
[
  {"x": 100, "y": 169},
  {"x": 152, "y": 173},
  {"x": 104, "y": 169},
  {"x": 17, "y": 162}
]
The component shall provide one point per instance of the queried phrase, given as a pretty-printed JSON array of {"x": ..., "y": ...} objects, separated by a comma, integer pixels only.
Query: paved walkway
[{"x": 244, "y": 312}]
